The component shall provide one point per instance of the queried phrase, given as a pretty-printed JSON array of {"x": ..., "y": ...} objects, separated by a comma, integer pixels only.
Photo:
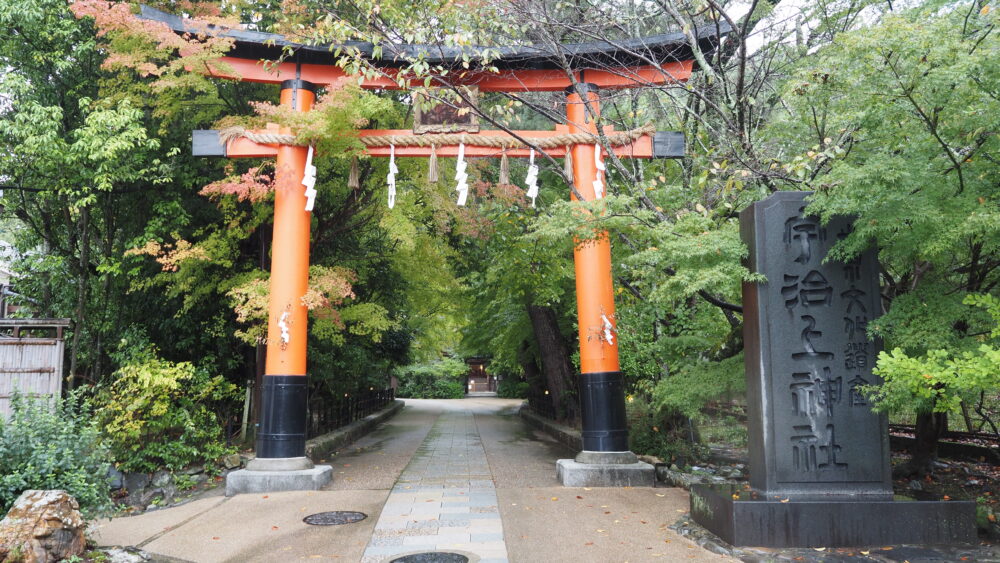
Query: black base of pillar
[
  {"x": 602, "y": 404},
  {"x": 282, "y": 431},
  {"x": 740, "y": 519}
]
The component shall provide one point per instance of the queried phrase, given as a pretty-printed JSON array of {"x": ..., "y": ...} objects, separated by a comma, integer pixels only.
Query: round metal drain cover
[
  {"x": 335, "y": 518},
  {"x": 432, "y": 557}
]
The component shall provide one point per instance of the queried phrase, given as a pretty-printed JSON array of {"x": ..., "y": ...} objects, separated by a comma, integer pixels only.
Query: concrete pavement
[{"x": 465, "y": 476}]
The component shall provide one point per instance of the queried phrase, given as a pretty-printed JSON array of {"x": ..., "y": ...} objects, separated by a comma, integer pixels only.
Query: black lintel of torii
[{"x": 632, "y": 52}]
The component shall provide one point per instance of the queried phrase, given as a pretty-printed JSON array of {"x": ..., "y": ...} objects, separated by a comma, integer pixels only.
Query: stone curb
[
  {"x": 563, "y": 434},
  {"x": 323, "y": 446},
  {"x": 683, "y": 480}
]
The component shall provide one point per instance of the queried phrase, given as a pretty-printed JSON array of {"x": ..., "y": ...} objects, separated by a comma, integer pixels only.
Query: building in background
[{"x": 477, "y": 379}]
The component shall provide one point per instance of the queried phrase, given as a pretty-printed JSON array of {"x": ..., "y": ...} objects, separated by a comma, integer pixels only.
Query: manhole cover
[
  {"x": 432, "y": 557},
  {"x": 334, "y": 518}
]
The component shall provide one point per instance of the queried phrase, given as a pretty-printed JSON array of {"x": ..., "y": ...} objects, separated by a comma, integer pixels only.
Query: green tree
[{"x": 904, "y": 117}]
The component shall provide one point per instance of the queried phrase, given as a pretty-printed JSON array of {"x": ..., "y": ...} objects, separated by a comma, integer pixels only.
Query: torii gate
[{"x": 605, "y": 459}]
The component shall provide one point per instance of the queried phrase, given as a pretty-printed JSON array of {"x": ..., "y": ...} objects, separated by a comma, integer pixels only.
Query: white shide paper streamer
[
  {"x": 461, "y": 177},
  {"x": 309, "y": 180},
  {"x": 608, "y": 330},
  {"x": 391, "y": 177},
  {"x": 532, "y": 178},
  {"x": 285, "y": 337},
  {"x": 598, "y": 184}
]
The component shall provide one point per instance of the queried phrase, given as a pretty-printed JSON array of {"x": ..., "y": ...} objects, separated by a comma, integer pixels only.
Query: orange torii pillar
[
  {"x": 281, "y": 462},
  {"x": 605, "y": 459}
]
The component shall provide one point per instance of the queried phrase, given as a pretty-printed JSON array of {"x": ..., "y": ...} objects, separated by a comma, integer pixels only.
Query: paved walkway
[
  {"x": 463, "y": 476},
  {"x": 445, "y": 500}
]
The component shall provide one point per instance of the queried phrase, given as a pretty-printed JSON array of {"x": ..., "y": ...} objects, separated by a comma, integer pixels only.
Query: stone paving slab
[
  {"x": 136, "y": 530},
  {"x": 597, "y": 525},
  {"x": 442, "y": 498}
]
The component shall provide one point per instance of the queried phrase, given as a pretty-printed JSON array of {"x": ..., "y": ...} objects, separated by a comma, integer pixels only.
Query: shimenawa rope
[{"x": 615, "y": 139}]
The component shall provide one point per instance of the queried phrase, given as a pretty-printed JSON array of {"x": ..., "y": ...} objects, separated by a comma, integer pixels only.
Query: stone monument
[{"x": 819, "y": 456}]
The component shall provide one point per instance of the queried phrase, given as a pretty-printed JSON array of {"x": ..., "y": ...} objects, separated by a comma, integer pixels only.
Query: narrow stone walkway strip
[{"x": 444, "y": 501}]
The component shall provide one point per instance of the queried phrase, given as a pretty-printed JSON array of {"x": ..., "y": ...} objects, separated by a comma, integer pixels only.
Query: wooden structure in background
[{"x": 31, "y": 359}]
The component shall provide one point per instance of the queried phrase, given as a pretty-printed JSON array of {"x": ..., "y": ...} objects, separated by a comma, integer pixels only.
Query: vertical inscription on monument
[{"x": 808, "y": 356}]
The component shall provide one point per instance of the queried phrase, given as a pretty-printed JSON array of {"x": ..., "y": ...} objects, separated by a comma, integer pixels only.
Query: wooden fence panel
[{"x": 30, "y": 364}]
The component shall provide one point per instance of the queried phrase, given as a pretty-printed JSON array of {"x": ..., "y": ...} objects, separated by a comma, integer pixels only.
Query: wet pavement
[{"x": 481, "y": 484}]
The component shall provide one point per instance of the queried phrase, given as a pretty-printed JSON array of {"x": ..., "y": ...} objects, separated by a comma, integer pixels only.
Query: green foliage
[
  {"x": 939, "y": 379},
  {"x": 156, "y": 413},
  {"x": 512, "y": 388},
  {"x": 54, "y": 446},
  {"x": 895, "y": 123},
  {"x": 441, "y": 379},
  {"x": 686, "y": 391},
  {"x": 666, "y": 437}
]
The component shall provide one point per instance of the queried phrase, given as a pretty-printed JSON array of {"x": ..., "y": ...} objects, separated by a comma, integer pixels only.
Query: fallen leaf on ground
[
  {"x": 579, "y": 497},
  {"x": 554, "y": 498},
  {"x": 215, "y": 537},
  {"x": 660, "y": 495}
]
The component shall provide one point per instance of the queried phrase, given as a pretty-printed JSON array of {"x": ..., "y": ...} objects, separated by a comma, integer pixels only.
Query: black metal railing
[
  {"x": 327, "y": 414},
  {"x": 540, "y": 402}
]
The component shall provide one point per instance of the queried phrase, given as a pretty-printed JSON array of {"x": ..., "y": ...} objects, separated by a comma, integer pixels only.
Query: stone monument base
[
  {"x": 605, "y": 469},
  {"x": 278, "y": 474},
  {"x": 740, "y": 519}
]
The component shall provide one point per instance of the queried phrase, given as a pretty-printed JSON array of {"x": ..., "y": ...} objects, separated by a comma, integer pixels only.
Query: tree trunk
[
  {"x": 929, "y": 429},
  {"x": 527, "y": 362},
  {"x": 556, "y": 365},
  {"x": 81, "y": 294},
  {"x": 969, "y": 425}
]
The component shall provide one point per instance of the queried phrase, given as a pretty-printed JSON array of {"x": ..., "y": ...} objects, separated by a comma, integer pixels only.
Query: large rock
[{"x": 42, "y": 526}]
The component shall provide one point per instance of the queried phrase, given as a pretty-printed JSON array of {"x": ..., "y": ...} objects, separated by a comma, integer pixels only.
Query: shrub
[
  {"x": 157, "y": 413},
  {"x": 513, "y": 389},
  {"x": 53, "y": 446},
  {"x": 653, "y": 431},
  {"x": 441, "y": 379}
]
